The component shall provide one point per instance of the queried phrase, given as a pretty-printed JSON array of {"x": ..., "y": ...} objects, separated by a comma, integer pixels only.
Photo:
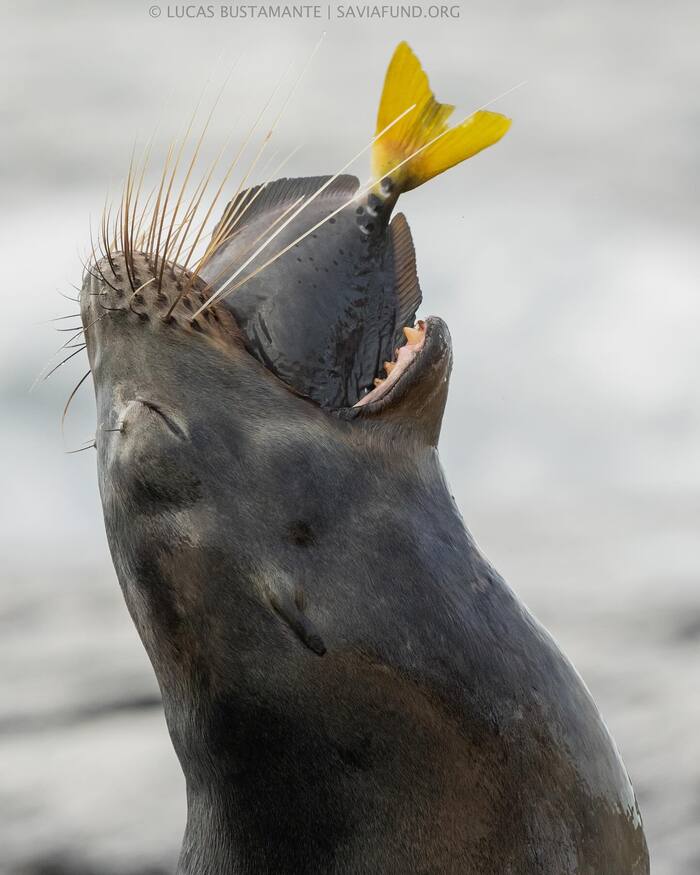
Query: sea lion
[{"x": 349, "y": 686}]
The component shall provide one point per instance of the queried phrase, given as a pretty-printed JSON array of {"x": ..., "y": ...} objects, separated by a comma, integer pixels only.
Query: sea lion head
[{"x": 148, "y": 352}]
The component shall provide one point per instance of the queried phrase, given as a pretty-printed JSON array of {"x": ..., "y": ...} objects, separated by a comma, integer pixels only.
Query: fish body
[{"x": 326, "y": 315}]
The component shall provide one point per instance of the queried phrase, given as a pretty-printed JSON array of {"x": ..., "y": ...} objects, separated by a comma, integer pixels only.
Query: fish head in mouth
[{"x": 322, "y": 294}]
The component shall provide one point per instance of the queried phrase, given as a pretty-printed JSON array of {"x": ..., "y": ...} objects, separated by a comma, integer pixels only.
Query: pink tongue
[{"x": 415, "y": 338}]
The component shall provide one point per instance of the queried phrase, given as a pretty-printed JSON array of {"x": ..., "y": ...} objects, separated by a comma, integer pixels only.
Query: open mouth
[{"x": 404, "y": 358}]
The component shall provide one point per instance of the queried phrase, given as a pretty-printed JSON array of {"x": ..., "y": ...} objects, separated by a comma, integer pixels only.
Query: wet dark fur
[{"x": 440, "y": 731}]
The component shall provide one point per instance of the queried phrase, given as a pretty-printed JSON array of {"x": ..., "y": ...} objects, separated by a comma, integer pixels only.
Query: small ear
[
  {"x": 290, "y": 608},
  {"x": 416, "y": 403}
]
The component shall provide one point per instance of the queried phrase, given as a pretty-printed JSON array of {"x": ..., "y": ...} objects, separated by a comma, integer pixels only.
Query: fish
[{"x": 327, "y": 316}]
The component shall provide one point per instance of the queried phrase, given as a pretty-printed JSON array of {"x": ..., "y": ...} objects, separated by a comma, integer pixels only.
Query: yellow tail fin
[{"x": 424, "y": 129}]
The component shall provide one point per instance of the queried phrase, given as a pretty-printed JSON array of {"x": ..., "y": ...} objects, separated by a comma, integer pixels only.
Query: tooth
[
  {"x": 413, "y": 335},
  {"x": 378, "y": 381},
  {"x": 389, "y": 366}
]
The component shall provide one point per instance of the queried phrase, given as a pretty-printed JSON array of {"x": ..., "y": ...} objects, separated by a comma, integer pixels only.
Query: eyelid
[{"x": 174, "y": 427}]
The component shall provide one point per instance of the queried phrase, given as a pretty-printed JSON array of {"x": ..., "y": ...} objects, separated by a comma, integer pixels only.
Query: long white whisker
[
  {"x": 502, "y": 95},
  {"x": 234, "y": 207},
  {"x": 274, "y": 175},
  {"x": 309, "y": 200},
  {"x": 285, "y": 104},
  {"x": 279, "y": 219},
  {"x": 227, "y": 174},
  {"x": 358, "y": 194}
]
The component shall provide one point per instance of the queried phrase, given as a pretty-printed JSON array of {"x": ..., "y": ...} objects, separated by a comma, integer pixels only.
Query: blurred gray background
[{"x": 565, "y": 261}]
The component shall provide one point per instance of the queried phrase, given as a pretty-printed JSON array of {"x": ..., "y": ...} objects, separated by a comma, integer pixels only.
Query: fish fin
[
  {"x": 424, "y": 129},
  {"x": 407, "y": 287},
  {"x": 251, "y": 203}
]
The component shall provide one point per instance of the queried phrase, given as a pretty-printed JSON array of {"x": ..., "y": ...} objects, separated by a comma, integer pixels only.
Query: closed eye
[{"x": 173, "y": 426}]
